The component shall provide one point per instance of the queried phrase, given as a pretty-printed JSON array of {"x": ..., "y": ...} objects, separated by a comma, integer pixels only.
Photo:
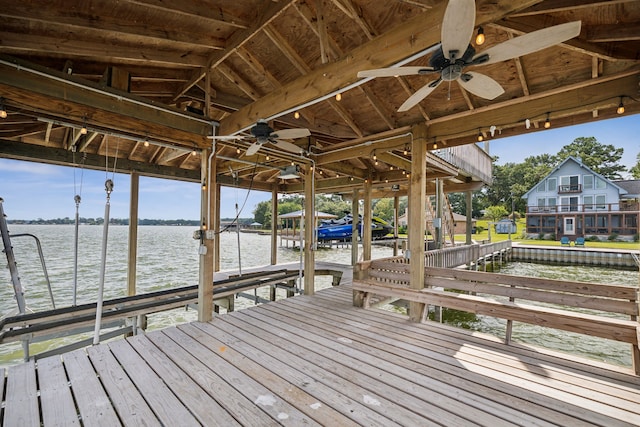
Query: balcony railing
[
  {"x": 570, "y": 188},
  {"x": 469, "y": 158},
  {"x": 593, "y": 207}
]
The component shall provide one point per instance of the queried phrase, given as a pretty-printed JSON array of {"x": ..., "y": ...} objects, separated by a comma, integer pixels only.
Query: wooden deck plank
[
  {"x": 244, "y": 410},
  {"x": 125, "y": 397},
  {"x": 205, "y": 408},
  {"x": 273, "y": 404},
  {"x": 590, "y": 396},
  {"x": 56, "y": 400},
  {"x": 290, "y": 392},
  {"x": 159, "y": 397},
  {"x": 399, "y": 396},
  {"x": 21, "y": 403},
  {"x": 93, "y": 403},
  {"x": 301, "y": 373}
]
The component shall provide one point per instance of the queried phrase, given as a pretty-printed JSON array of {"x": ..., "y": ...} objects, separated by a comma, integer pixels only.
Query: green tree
[
  {"x": 332, "y": 204},
  {"x": 496, "y": 213},
  {"x": 601, "y": 158},
  {"x": 383, "y": 208},
  {"x": 635, "y": 170},
  {"x": 262, "y": 213}
]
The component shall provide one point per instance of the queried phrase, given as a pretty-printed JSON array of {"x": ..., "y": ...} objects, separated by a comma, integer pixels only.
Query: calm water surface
[{"x": 168, "y": 257}]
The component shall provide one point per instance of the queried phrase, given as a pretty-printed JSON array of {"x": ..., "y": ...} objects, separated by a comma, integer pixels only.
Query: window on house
[
  {"x": 587, "y": 182},
  {"x": 541, "y": 203},
  {"x": 601, "y": 201},
  {"x": 541, "y": 187},
  {"x": 588, "y": 203},
  {"x": 600, "y": 183},
  {"x": 552, "y": 184},
  {"x": 551, "y": 203}
]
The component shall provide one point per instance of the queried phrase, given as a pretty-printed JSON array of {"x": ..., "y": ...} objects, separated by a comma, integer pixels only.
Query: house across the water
[{"x": 574, "y": 201}]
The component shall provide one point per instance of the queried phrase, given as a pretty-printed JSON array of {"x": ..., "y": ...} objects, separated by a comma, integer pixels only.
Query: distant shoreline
[{"x": 118, "y": 221}]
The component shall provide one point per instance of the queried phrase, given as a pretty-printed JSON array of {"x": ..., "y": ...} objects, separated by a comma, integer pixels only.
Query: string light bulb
[
  {"x": 480, "y": 36},
  {"x": 238, "y": 150},
  {"x": 480, "y": 137},
  {"x": 296, "y": 115},
  {"x": 194, "y": 153},
  {"x": 547, "y": 123},
  {"x": 406, "y": 150},
  {"x": 338, "y": 96},
  {"x": 3, "y": 112},
  {"x": 267, "y": 158},
  {"x": 620, "y": 109}
]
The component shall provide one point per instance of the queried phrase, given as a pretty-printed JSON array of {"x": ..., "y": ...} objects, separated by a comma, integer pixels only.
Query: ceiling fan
[
  {"x": 263, "y": 134},
  {"x": 455, "y": 53}
]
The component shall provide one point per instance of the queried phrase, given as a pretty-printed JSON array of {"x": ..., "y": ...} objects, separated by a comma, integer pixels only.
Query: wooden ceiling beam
[
  {"x": 613, "y": 33},
  {"x": 412, "y": 36},
  {"x": 556, "y": 6},
  {"x": 217, "y": 16}
]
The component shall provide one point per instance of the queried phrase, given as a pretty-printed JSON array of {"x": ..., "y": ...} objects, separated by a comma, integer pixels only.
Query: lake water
[{"x": 168, "y": 257}]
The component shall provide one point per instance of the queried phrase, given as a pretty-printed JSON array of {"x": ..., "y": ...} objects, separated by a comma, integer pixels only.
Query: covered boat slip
[{"x": 317, "y": 360}]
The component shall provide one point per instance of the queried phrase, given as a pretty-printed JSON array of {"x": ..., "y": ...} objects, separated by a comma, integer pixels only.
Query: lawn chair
[
  {"x": 579, "y": 242},
  {"x": 564, "y": 241}
]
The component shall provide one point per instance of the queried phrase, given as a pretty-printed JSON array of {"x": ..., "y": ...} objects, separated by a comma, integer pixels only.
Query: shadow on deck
[{"x": 317, "y": 360}]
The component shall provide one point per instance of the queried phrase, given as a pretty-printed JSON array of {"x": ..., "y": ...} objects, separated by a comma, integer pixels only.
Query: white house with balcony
[{"x": 575, "y": 201}]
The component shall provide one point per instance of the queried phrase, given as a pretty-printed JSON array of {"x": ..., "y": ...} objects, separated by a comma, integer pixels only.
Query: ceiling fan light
[{"x": 480, "y": 39}]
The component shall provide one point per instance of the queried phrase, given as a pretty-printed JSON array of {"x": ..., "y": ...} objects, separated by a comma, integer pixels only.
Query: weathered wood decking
[{"x": 316, "y": 361}]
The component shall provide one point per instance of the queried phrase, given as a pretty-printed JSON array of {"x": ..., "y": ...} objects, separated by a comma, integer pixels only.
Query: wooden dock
[{"x": 316, "y": 360}]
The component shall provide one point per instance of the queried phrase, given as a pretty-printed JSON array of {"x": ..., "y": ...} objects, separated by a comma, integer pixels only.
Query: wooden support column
[
  {"x": 396, "y": 207},
  {"x": 469, "y": 211},
  {"x": 440, "y": 213},
  {"x": 366, "y": 222},
  {"x": 215, "y": 225},
  {"x": 355, "y": 212},
  {"x": 274, "y": 225},
  {"x": 133, "y": 234},
  {"x": 309, "y": 231},
  {"x": 206, "y": 249},
  {"x": 418, "y": 189}
]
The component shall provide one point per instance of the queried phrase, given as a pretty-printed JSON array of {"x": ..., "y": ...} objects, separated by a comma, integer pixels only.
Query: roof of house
[
  {"x": 631, "y": 185},
  {"x": 582, "y": 165}
]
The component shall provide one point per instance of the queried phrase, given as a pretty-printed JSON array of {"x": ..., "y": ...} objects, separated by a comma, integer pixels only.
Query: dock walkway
[{"x": 317, "y": 360}]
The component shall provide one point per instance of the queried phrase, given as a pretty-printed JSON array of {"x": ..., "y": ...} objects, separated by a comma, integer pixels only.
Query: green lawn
[{"x": 517, "y": 237}]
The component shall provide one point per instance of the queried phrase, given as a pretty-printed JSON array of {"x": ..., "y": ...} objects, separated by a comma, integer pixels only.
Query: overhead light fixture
[
  {"x": 547, "y": 123},
  {"x": 3, "y": 112},
  {"x": 620, "y": 109},
  {"x": 480, "y": 37},
  {"x": 290, "y": 172}
]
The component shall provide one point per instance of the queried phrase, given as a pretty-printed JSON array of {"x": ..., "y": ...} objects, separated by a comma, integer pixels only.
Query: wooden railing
[
  {"x": 606, "y": 311},
  {"x": 470, "y": 158}
]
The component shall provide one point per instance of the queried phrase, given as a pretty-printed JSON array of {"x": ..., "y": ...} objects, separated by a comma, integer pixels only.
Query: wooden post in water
[{"x": 417, "y": 226}]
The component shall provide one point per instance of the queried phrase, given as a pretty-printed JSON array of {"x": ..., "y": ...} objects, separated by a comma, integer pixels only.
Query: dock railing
[{"x": 456, "y": 256}]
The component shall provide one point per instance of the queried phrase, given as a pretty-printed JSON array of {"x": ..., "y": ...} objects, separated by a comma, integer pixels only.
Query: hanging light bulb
[
  {"x": 83, "y": 130},
  {"x": 204, "y": 186},
  {"x": 238, "y": 150},
  {"x": 406, "y": 150},
  {"x": 480, "y": 37},
  {"x": 3, "y": 112},
  {"x": 267, "y": 158},
  {"x": 296, "y": 115},
  {"x": 338, "y": 96},
  {"x": 435, "y": 145},
  {"x": 194, "y": 153},
  {"x": 620, "y": 109},
  {"x": 547, "y": 123},
  {"x": 480, "y": 137}
]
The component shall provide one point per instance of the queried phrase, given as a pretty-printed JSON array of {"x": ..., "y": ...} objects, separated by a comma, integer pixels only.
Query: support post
[
  {"x": 355, "y": 213},
  {"x": 309, "y": 233},
  {"x": 133, "y": 234},
  {"x": 274, "y": 225},
  {"x": 418, "y": 189},
  {"x": 366, "y": 222},
  {"x": 215, "y": 225},
  {"x": 396, "y": 207},
  {"x": 469, "y": 210},
  {"x": 207, "y": 246}
]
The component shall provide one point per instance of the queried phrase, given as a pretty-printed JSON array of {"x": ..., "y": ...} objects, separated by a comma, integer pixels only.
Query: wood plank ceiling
[{"x": 149, "y": 70}]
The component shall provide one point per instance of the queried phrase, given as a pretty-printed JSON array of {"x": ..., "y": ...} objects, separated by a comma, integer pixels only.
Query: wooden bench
[{"x": 513, "y": 298}]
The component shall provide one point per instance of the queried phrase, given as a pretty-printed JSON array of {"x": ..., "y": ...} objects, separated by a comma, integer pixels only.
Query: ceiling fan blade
[
  {"x": 253, "y": 148},
  {"x": 288, "y": 146},
  {"x": 421, "y": 94},
  {"x": 291, "y": 133},
  {"x": 396, "y": 71},
  {"x": 457, "y": 27},
  {"x": 531, "y": 42},
  {"x": 480, "y": 85}
]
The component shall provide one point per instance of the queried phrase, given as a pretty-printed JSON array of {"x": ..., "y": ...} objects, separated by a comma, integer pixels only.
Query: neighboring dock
[
  {"x": 317, "y": 360},
  {"x": 570, "y": 255}
]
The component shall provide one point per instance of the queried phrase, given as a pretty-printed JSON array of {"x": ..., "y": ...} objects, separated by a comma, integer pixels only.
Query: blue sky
[{"x": 32, "y": 190}]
